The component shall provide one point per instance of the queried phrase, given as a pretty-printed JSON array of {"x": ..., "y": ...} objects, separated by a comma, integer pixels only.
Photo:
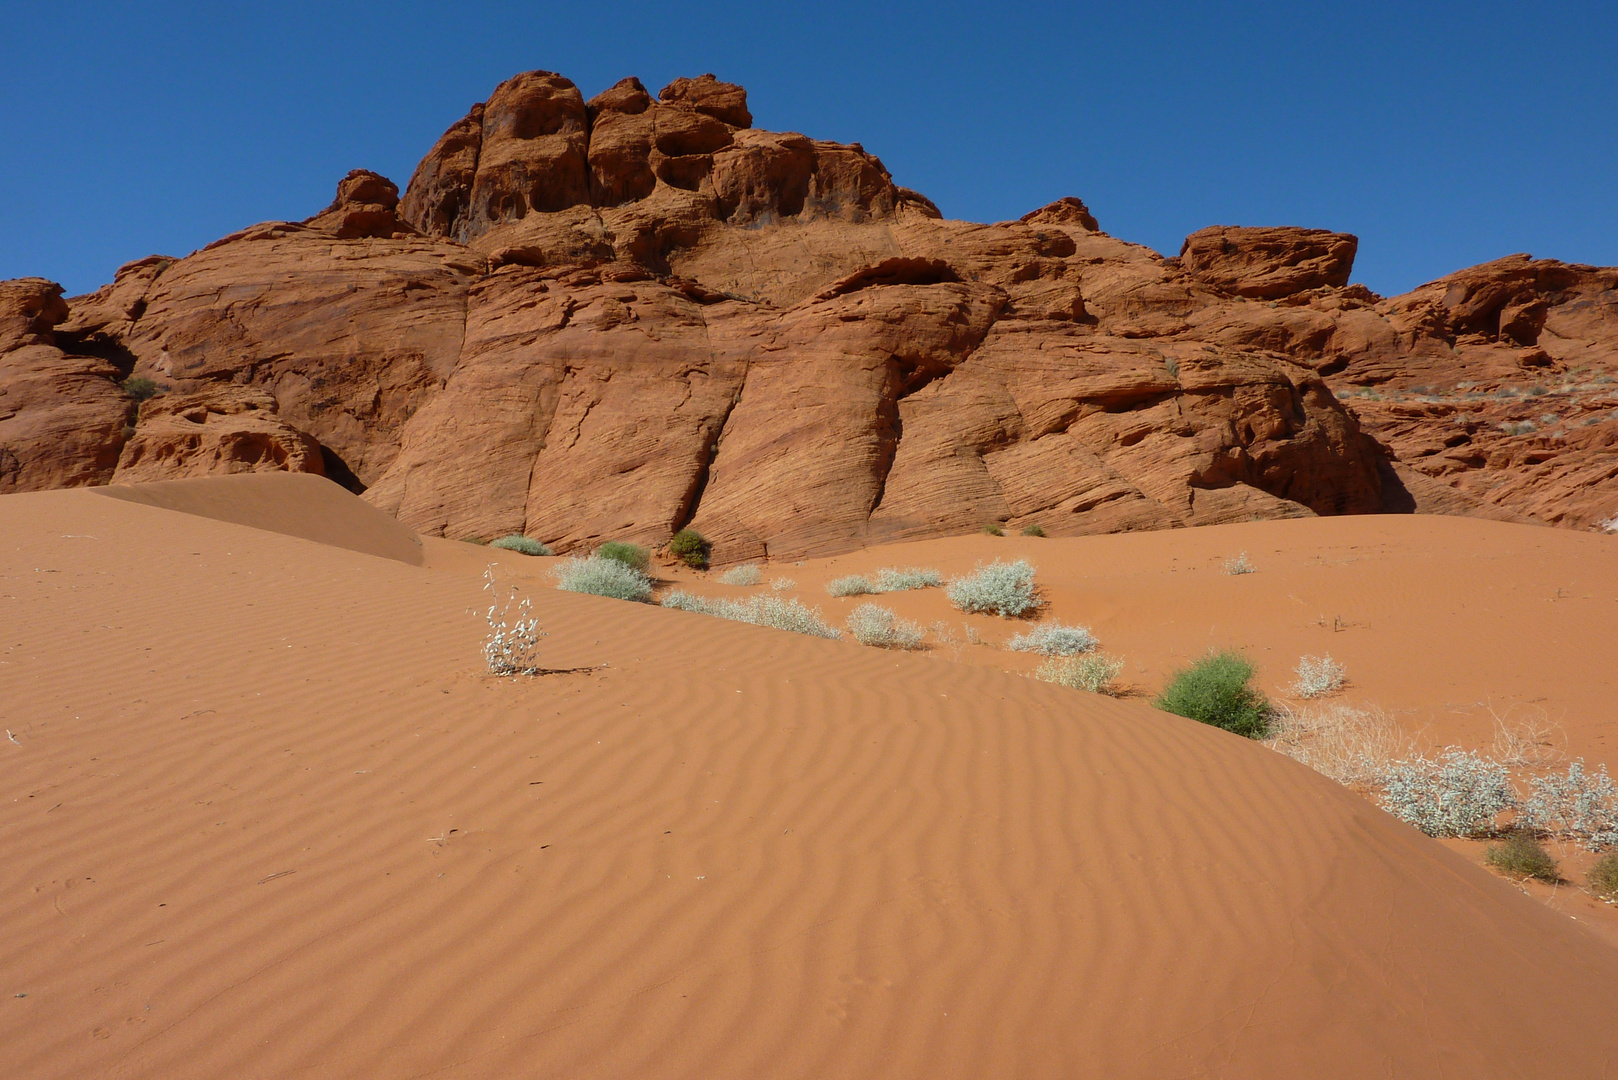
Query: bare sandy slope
[
  {"x": 1439, "y": 620},
  {"x": 267, "y": 819}
]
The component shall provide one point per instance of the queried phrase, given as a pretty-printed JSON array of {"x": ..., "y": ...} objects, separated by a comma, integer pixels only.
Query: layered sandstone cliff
[{"x": 617, "y": 317}]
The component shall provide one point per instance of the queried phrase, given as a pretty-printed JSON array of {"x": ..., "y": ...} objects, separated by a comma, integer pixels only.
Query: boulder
[
  {"x": 217, "y": 430},
  {"x": 1268, "y": 263}
]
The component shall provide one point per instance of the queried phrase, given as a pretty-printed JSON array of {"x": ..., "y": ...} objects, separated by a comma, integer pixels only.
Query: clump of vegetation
[
  {"x": 772, "y": 611},
  {"x": 1054, "y": 639},
  {"x": 1033, "y": 530},
  {"x": 1603, "y": 877},
  {"x": 601, "y": 576},
  {"x": 1580, "y": 806},
  {"x": 1352, "y": 746},
  {"x": 904, "y": 578},
  {"x": 852, "y": 585},
  {"x": 1610, "y": 526},
  {"x": 873, "y": 624},
  {"x": 745, "y": 574},
  {"x": 1460, "y": 793},
  {"x": 1239, "y": 565},
  {"x": 888, "y": 579},
  {"x": 1092, "y": 671},
  {"x": 993, "y": 529},
  {"x": 1318, "y": 676},
  {"x": 631, "y": 555},
  {"x": 1522, "y": 856},
  {"x": 783, "y": 584},
  {"x": 521, "y": 544},
  {"x": 1519, "y": 427},
  {"x": 140, "y": 388},
  {"x": 512, "y": 647},
  {"x": 1001, "y": 588},
  {"x": 1218, "y": 690},
  {"x": 691, "y": 548}
]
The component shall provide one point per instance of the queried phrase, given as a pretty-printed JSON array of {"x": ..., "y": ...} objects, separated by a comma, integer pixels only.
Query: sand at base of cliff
[{"x": 268, "y": 817}]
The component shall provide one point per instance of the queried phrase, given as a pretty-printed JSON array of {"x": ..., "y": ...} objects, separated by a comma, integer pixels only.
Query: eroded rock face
[
  {"x": 62, "y": 416},
  {"x": 1268, "y": 263},
  {"x": 220, "y": 429},
  {"x": 612, "y": 318}
]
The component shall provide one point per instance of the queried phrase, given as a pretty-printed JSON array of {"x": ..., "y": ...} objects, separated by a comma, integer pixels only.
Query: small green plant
[
  {"x": 1001, "y": 588},
  {"x": 1603, "y": 877},
  {"x": 1218, "y": 690},
  {"x": 521, "y": 544},
  {"x": 140, "y": 388},
  {"x": 873, "y": 624},
  {"x": 1033, "y": 530},
  {"x": 1092, "y": 671},
  {"x": 745, "y": 574},
  {"x": 691, "y": 548},
  {"x": 1522, "y": 856},
  {"x": 603, "y": 577},
  {"x": 993, "y": 529},
  {"x": 631, "y": 555}
]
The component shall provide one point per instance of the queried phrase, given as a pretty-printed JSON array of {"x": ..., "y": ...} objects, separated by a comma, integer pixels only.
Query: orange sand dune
[{"x": 267, "y": 819}]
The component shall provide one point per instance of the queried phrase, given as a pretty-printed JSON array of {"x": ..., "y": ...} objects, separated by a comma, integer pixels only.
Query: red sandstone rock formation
[{"x": 614, "y": 317}]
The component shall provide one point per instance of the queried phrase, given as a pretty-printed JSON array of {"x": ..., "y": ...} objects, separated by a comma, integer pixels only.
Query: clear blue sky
[{"x": 1443, "y": 134}]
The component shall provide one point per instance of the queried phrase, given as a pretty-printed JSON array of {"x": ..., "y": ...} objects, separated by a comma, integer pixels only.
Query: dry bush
[
  {"x": 1094, "y": 672},
  {"x": 1054, "y": 639},
  {"x": 512, "y": 647},
  {"x": 771, "y": 611},
  {"x": 1318, "y": 676},
  {"x": 782, "y": 584},
  {"x": 1354, "y": 746},
  {"x": 1530, "y": 742},
  {"x": 1239, "y": 565},
  {"x": 745, "y": 574},
  {"x": 873, "y": 624}
]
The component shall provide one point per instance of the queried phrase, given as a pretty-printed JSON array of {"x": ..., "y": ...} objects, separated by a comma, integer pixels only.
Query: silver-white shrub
[
  {"x": 904, "y": 578},
  {"x": 783, "y": 584},
  {"x": 852, "y": 585},
  {"x": 1092, "y": 671},
  {"x": 523, "y": 545},
  {"x": 602, "y": 577},
  {"x": 512, "y": 647},
  {"x": 772, "y": 611},
  {"x": 1610, "y": 525},
  {"x": 1580, "y": 806},
  {"x": 745, "y": 574},
  {"x": 873, "y": 624},
  {"x": 1459, "y": 793},
  {"x": 1239, "y": 565},
  {"x": 1054, "y": 639},
  {"x": 1318, "y": 676},
  {"x": 1001, "y": 588}
]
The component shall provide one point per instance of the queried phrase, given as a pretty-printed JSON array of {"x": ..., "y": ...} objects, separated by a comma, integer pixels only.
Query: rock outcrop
[{"x": 613, "y": 317}]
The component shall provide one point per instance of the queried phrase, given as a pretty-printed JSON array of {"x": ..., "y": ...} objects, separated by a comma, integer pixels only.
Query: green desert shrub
[
  {"x": 1090, "y": 671},
  {"x": 691, "y": 548},
  {"x": 523, "y": 545},
  {"x": 773, "y": 611},
  {"x": 745, "y": 574},
  {"x": 1033, "y": 530},
  {"x": 993, "y": 529},
  {"x": 631, "y": 555},
  {"x": 1054, "y": 639},
  {"x": 140, "y": 388},
  {"x": 603, "y": 577},
  {"x": 1522, "y": 856},
  {"x": 1603, "y": 877},
  {"x": 1218, "y": 690},
  {"x": 1001, "y": 588},
  {"x": 873, "y": 624}
]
